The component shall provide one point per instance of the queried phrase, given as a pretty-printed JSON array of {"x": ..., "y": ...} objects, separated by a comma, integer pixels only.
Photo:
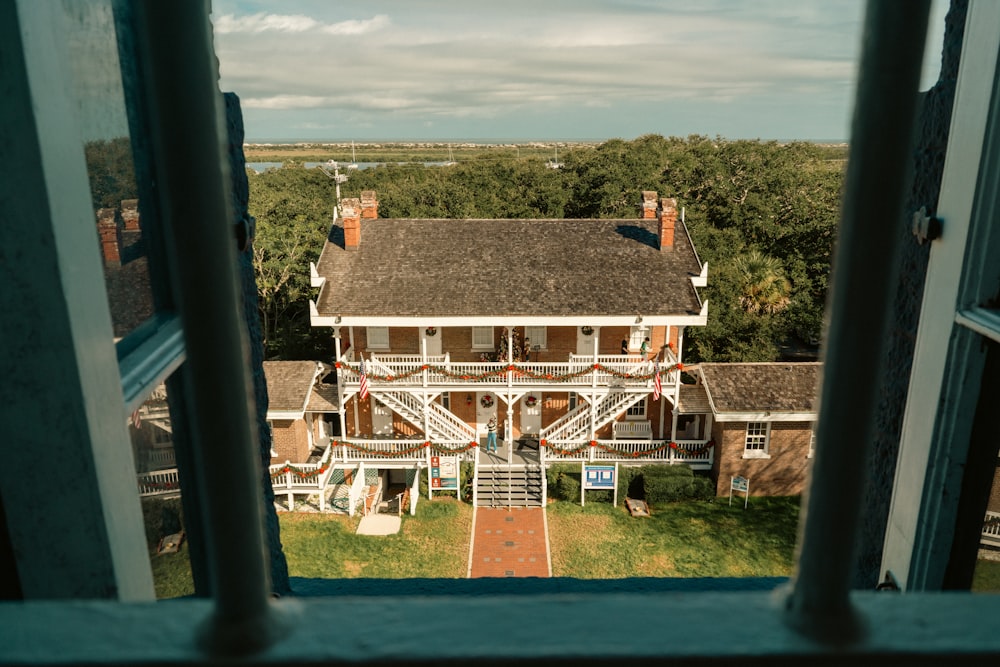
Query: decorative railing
[
  {"x": 159, "y": 483},
  {"x": 160, "y": 458},
  {"x": 619, "y": 371},
  {"x": 302, "y": 477},
  {"x": 991, "y": 529},
  {"x": 696, "y": 453},
  {"x": 359, "y": 449}
]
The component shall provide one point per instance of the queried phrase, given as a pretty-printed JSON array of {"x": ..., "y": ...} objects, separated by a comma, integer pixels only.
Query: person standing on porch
[
  {"x": 644, "y": 348},
  {"x": 491, "y": 434},
  {"x": 624, "y": 345}
]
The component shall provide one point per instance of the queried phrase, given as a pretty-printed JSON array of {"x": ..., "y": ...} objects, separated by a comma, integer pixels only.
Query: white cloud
[{"x": 294, "y": 23}]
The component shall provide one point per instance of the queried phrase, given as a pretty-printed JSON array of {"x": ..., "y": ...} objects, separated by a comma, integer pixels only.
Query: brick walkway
[{"x": 509, "y": 543}]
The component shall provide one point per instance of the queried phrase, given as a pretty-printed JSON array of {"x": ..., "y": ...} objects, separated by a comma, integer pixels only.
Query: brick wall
[
  {"x": 994, "y": 503},
  {"x": 290, "y": 440},
  {"x": 783, "y": 474}
]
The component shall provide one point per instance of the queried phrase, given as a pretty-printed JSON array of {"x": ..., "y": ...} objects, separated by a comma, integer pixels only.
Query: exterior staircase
[
  {"x": 514, "y": 486},
  {"x": 575, "y": 425},
  {"x": 442, "y": 424}
]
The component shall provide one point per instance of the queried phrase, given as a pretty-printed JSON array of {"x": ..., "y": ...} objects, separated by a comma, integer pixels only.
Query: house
[
  {"x": 557, "y": 328},
  {"x": 760, "y": 417}
]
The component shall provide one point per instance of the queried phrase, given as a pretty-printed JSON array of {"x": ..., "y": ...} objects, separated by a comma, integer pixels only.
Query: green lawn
[
  {"x": 986, "y": 578},
  {"x": 687, "y": 539}
]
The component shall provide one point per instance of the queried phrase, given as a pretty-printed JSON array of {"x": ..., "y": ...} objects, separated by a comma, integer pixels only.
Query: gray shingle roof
[
  {"x": 692, "y": 400},
  {"x": 455, "y": 268},
  {"x": 324, "y": 398},
  {"x": 289, "y": 384},
  {"x": 760, "y": 387}
]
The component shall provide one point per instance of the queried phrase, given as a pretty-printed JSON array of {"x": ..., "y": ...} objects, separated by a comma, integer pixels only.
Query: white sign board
[
  {"x": 741, "y": 484},
  {"x": 600, "y": 477}
]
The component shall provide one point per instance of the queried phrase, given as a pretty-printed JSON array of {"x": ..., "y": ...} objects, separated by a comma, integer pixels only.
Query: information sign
[
  {"x": 600, "y": 477},
  {"x": 741, "y": 484},
  {"x": 444, "y": 473}
]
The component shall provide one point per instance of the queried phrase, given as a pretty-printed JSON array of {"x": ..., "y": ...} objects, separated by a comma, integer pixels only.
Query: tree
[{"x": 764, "y": 288}]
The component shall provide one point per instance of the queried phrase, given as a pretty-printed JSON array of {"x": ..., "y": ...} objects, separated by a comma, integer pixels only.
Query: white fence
[
  {"x": 159, "y": 483},
  {"x": 695, "y": 453},
  {"x": 991, "y": 529}
]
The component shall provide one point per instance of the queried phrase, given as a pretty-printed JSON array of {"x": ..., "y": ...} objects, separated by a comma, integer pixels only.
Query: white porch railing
[
  {"x": 160, "y": 458},
  {"x": 303, "y": 478},
  {"x": 991, "y": 529},
  {"x": 696, "y": 453},
  {"x": 363, "y": 449},
  {"x": 159, "y": 483},
  {"x": 610, "y": 370}
]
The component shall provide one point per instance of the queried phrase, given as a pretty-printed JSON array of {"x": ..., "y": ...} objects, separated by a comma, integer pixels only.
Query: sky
[{"x": 506, "y": 70}]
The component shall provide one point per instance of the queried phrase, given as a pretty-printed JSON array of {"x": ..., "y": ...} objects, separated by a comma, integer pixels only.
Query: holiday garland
[
  {"x": 324, "y": 464},
  {"x": 517, "y": 370},
  {"x": 624, "y": 453}
]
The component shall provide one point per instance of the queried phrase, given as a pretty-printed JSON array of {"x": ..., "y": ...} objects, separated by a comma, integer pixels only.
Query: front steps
[{"x": 513, "y": 486}]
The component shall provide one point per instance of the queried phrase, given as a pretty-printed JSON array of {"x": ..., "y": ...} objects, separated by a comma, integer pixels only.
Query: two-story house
[{"x": 568, "y": 332}]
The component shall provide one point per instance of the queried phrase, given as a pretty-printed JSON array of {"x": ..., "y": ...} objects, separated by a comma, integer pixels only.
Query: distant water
[{"x": 261, "y": 167}]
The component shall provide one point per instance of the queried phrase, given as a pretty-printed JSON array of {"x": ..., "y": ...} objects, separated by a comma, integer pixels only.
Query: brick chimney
[
  {"x": 130, "y": 214},
  {"x": 350, "y": 210},
  {"x": 667, "y": 215},
  {"x": 648, "y": 205},
  {"x": 369, "y": 205},
  {"x": 110, "y": 236}
]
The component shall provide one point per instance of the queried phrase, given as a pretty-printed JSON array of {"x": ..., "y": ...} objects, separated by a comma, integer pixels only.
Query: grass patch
[
  {"x": 434, "y": 543},
  {"x": 172, "y": 573},
  {"x": 687, "y": 539},
  {"x": 986, "y": 578}
]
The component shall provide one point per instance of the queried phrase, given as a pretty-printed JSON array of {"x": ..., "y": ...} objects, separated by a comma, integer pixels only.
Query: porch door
[
  {"x": 531, "y": 415},
  {"x": 381, "y": 418},
  {"x": 433, "y": 342},
  {"x": 483, "y": 414},
  {"x": 584, "y": 341}
]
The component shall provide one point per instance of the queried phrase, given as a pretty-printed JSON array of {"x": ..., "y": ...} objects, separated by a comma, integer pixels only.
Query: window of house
[
  {"x": 536, "y": 336},
  {"x": 378, "y": 338},
  {"x": 572, "y": 400},
  {"x": 482, "y": 338},
  {"x": 636, "y": 336},
  {"x": 637, "y": 411},
  {"x": 446, "y": 400},
  {"x": 755, "y": 444}
]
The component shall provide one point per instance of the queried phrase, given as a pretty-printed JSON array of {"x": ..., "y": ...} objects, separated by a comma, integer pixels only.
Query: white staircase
[
  {"x": 575, "y": 425},
  {"x": 442, "y": 424}
]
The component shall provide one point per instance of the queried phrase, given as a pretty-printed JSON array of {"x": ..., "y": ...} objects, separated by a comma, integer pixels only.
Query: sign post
[
  {"x": 741, "y": 484},
  {"x": 444, "y": 473},
  {"x": 599, "y": 477}
]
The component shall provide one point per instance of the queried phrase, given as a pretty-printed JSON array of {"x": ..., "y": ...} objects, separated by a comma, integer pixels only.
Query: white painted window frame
[
  {"x": 481, "y": 343},
  {"x": 377, "y": 338},
  {"x": 756, "y": 445},
  {"x": 537, "y": 335},
  {"x": 638, "y": 411}
]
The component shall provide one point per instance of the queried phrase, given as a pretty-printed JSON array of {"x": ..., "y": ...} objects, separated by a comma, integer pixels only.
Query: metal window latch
[{"x": 925, "y": 227}]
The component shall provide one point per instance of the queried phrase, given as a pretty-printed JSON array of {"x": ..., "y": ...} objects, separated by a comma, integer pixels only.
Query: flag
[
  {"x": 136, "y": 419},
  {"x": 362, "y": 380},
  {"x": 657, "y": 383}
]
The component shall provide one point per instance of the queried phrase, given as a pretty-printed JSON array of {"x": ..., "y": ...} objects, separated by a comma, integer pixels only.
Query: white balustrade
[{"x": 159, "y": 483}]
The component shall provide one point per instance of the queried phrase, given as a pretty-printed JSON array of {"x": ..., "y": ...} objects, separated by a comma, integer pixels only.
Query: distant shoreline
[{"x": 486, "y": 143}]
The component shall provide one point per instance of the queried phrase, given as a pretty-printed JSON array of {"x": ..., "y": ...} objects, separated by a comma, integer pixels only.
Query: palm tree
[{"x": 764, "y": 287}]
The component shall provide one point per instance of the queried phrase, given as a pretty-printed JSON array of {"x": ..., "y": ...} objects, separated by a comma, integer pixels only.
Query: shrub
[
  {"x": 563, "y": 481},
  {"x": 161, "y": 516},
  {"x": 666, "y": 484}
]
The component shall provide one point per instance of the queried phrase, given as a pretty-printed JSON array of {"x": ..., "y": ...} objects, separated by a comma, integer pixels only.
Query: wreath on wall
[
  {"x": 431, "y": 331},
  {"x": 531, "y": 401},
  {"x": 587, "y": 331},
  {"x": 486, "y": 401}
]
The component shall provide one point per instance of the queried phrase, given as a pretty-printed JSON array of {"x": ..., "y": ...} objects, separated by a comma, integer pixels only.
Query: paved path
[{"x": 509, "y": 543}]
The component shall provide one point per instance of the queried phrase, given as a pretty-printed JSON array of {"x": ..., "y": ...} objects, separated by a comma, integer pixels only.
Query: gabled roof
[
  {"x": 693, "y": 400},
  {"x": 477, "y": 269},
  {"x": 766, "y": 391},
  {"x": 324, "y": 398},
  {"x": 289, "y": 384}
]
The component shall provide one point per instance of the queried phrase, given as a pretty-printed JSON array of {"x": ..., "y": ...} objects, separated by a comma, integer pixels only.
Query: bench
[{"x": 632, "y": 430}]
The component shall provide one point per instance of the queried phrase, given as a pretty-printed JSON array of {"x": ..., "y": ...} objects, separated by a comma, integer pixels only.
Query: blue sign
[{"x": 598, "y": 477}]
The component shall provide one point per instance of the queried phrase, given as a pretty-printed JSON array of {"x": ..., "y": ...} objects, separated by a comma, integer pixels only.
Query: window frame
[
  {"x": 482, "y": 345},
  {"x": 375, "y": 340},
  {"x": 752, "y": 437},
  {"x": 538, "y": 336}
]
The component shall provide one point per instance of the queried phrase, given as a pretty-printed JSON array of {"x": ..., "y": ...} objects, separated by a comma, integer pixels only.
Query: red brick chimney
[
  {"x": 648, "y": 204},
  {"x": 667, "y": 216},
  {"x": 130, "y": 214},
  {"x": 350, "y": 210},
  {"x": 110, "y": 235},
  {"x": 369, "y": 205}
]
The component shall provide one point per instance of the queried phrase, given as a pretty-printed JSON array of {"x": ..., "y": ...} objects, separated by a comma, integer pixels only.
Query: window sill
[{"x": 747, "y": 455}]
